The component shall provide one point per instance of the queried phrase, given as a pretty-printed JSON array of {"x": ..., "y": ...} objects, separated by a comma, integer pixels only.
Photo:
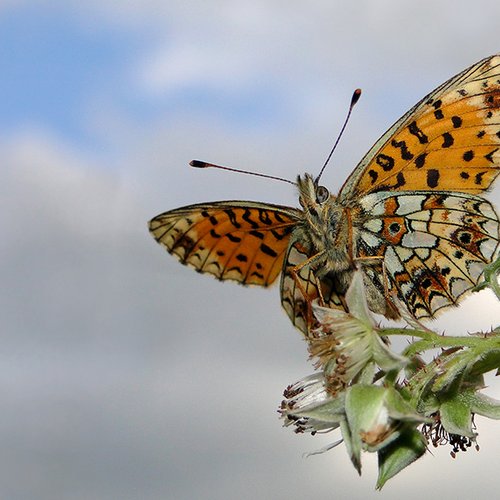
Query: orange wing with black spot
[
  {"x": 241, "y": 241},
  {"x": 449, "y": 141}
]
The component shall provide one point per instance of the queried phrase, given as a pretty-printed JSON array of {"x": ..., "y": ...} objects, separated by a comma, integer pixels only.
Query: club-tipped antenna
[
  {"x": 355, "y": 98},
  {"x": 204, "y": 164}
]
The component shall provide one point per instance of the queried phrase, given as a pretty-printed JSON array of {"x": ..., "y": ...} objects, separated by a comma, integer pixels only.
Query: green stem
[
  {"x": 430, "y": 340},
  {"x": 407, "y": 332}
]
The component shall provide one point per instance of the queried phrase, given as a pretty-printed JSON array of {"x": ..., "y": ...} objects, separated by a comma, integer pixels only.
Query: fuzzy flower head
[{"x": 346, "y": 343}]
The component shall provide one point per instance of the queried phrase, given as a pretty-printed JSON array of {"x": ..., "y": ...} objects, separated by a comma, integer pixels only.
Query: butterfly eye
[{"x": 322, "y": 194}]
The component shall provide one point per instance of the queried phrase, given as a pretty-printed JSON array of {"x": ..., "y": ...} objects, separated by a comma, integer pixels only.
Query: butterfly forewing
[
  {"x": 240, "y": 241},
  {"x": 450, "y": 140}
]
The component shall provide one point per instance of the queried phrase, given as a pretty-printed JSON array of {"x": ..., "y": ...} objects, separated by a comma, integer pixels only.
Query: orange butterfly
[{"x": 409, "y": 215}]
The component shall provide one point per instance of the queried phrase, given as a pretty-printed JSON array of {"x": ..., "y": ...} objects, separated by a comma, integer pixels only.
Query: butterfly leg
[
  {"x": 299, "y": 281},
  {"x": 295, "y": 272}
]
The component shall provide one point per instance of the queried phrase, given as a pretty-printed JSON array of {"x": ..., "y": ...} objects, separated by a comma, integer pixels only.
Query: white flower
[{"x": 309, "y": 407}]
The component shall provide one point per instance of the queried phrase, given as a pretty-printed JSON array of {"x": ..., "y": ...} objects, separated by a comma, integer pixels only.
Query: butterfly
[{"x": 409, "y": 215}]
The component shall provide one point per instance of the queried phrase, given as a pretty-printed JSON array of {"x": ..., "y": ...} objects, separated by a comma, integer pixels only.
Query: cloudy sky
[{"x": 123, "y": 374}]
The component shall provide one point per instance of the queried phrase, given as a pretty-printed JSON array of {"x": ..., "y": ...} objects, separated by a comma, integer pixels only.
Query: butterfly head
[
  {"x": 312, "y": 196},
  {"x": 323, "y": 219}
]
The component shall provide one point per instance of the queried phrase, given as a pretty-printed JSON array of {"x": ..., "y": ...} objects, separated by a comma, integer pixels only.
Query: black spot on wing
[
  {"x": 438, "y": 114},
  {"x": 232, "y": 218},
  {"x": 400, "y": 180},
  {"x": 406, "y": 154},
  {"x": 420, "y": 160},
  {"x": 489, "y": 156},
  {"x": 385, "y": 161},
  {"x": 373, "y": 175},
  {"x": 432, "y": 177},
  {"x": 457, "y": 121},
  {"x": 246, "y": 217},
  {"x": 268, "y": 250},
  {"x": 468, "y": 155},
  {"x": 234, "y": 239},
  {"x": 264, "y": 217},
  {"x": 478, "y": 178},
  {"x": 414, "y": 130},
  {"x": 257, "y": 234},
  {"x": 447, "y": 140}
]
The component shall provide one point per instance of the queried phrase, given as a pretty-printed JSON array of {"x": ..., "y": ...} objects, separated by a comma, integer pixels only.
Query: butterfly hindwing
[
  {"x": 297, "y": 293},
  {"x": 233, "y": 240},
  {"x": 434, "y": 245}
]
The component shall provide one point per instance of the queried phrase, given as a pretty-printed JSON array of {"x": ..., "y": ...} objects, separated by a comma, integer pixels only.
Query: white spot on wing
[
  {"x": 374, "y": 225},
  {"x": 406, "y": 289},
  {"x": 419, "y": 239},
  {"x": 487, "y": 248},
  {"x": 488, "y": 211},
  {"x": 374, "y": 203},
  {"x": 423, "y": 253},
  {"x": 423, "y": 215},
  {"x": 410, "y": 204},
  {"x": 458, "y": 287},
  {"x": 404, "y": 253},
  {"x": 370, "y": 239},
  {"x": 491, "y": 228},
  {"x": 475, "y": 270},
  {"x": 392, "y": 261}
]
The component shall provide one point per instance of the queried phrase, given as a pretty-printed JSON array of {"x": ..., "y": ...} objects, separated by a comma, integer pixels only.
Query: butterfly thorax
[{"x": 325, "y": 226}]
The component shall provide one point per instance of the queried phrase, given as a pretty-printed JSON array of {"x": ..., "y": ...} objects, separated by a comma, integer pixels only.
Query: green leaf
[
  {"x": 400, "y": 409},
  {"x": 356, "y": 299},
  {"x": 365, "y": 412},
  {"x": 392, "y": 459},
  {"x": 456, "y": 417},
  {"x": 485, "y": 406},
  {"x": 488, "y": 361},
  {"x": 347, "y": 437},
  {"x": 386, "y": 358},
  {"x": 452, "y": 366}
]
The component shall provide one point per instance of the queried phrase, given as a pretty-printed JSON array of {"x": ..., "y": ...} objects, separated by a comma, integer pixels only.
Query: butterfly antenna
[
  {"x": 204, "y": 164},
  {"x": 355, "y": 98}
]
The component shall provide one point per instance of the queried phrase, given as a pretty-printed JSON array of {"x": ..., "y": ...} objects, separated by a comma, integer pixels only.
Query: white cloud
[{"x": 178, "y": 67}]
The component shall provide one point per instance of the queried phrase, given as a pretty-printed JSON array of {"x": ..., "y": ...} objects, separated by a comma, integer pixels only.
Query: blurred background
[{"x": 122, "y": 373}]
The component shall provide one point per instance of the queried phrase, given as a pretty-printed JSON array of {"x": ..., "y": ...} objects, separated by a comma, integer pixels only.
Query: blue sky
[
  {"x": 123, "y": 374},
  {"x": 58, "y": 65},
  {"x": 52, "y": 66}
]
